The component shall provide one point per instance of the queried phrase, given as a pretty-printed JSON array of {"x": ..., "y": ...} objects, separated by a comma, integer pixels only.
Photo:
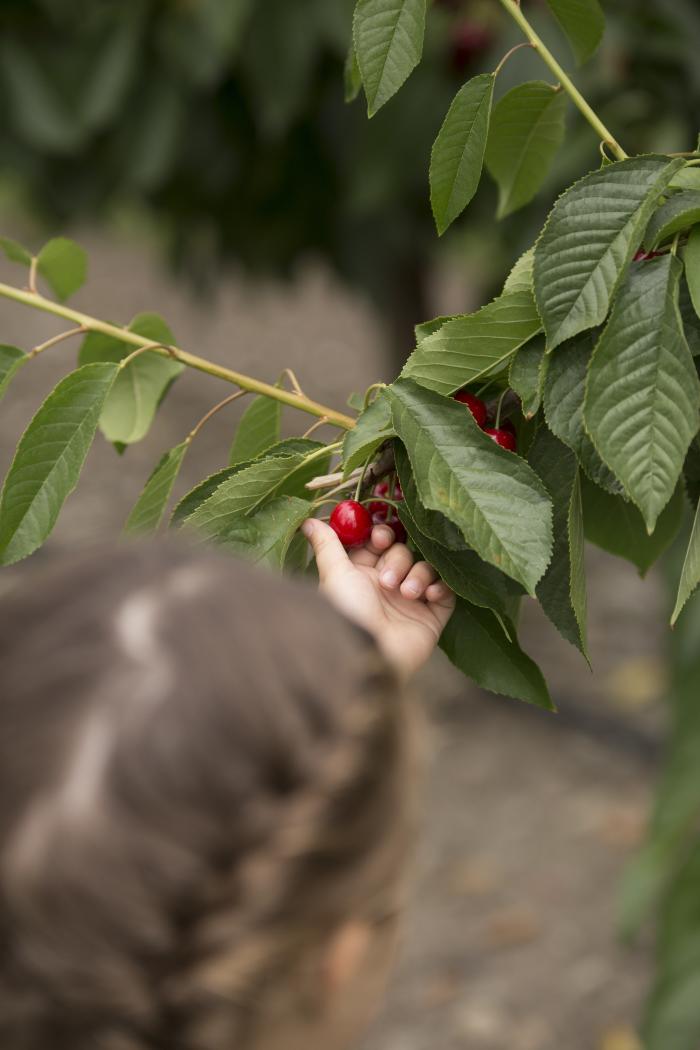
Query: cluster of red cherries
[
  {"x": 353, "y": 522},
  {"x": 503, "y": 435}
]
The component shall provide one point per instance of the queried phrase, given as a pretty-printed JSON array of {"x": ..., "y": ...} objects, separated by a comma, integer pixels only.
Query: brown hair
[{"x": 200, "y": 765}]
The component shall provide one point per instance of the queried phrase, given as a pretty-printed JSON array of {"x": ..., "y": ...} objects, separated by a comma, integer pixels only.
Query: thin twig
[
  {"x": 293, "y": 380},
  {"x": 40, "y": 347},
  {"x": 314, "y": 426},
  {"x": 212, "y": 412},
  {"x": 143, "y": 349},
  {"x": 32, "y": 274},
  {"x": 507, "y": 55}
]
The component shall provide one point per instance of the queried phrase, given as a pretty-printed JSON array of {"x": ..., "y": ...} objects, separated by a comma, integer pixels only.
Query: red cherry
[
  {"x": 351, "y": 522},
  {"x": 397, "y": 494},
  {"x": 475, "y": 405},
  {"x": 502, "y": 437},
  {"x": 508, "y": 425},
  {"x": 379, "y": 506},
  {"x": 468, "y": 41}
]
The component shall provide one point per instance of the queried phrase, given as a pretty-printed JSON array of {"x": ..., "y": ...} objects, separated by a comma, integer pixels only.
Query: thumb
[{"x": 329, "y": 552}]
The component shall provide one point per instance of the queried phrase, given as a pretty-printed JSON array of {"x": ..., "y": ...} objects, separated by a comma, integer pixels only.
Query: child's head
[{"x": 203, "y": 817}]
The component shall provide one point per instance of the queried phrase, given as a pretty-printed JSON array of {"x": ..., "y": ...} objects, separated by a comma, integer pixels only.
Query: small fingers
[
  {"x": 439, "y": 593},
  {"x": 394, "y": 566},
  {"x": 380, "y": 540},
  {"x": 420, "y": 577},
  {"x": 331, "y": 556}
]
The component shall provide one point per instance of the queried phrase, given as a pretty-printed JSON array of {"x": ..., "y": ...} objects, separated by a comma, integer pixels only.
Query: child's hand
[{"x": 378, "y": 586}]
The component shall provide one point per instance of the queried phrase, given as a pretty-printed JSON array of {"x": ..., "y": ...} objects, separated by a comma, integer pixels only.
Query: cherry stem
[{"x": 498, "y": 409}]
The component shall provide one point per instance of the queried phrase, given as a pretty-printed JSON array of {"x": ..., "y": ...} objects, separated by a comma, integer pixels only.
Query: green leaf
[
  {"x": 140, "y": 386},
  {"x": 458, "y": 151},
  {"x": 427, "y": 328},
  {"x": 616, "y": 526},
  {"x": 583, "y": 23},
  {"x": 352, "y": 76},
  {"x": 430, "y": 523},
  {"x": 246, "y": 490},
  {"x": 476, "y": 345},
  {"x": 642, "y": 404},
  {"x": 691, "y": 321},
  {"x": 692, "y": 267},
  {"x": 15, "y": 252},
  {"x": 265, "y": 537},
  {"x": 526, "y": 375},
  {"x": 527, "y": 129},
  {"x": 201, "y": 492},
  {"x": 589, "y": 239},
  {"x": 564, "y": 393},
  {"x": 259, "y": 428},
  {"x": 11, "y": 360},
  {"x": 371, "y": 430},
  {"x": 475, "y": 643},
  {"x": 63, "y": 264},
  {"x": 150, "y": 506},
  {"x": 679, "y": 212},
  {"x": 520, "y": 277},
  {"x": 49, "y": 459},
  {"x": 685, "y": 179},
  {"x": 463, "y": 571},
  {"x": 690, "y": 574},
  {"x": 388, "y": 39},
  {"x": 496, "y": 500},
  {"x": 562, "y": 589}
]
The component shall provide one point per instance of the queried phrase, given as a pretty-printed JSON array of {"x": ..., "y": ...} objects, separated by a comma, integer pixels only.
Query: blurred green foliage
[{"x": 225, "y": 120}]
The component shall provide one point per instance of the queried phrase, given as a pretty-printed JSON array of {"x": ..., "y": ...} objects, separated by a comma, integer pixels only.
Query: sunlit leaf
[
  {"x": 589, "y": 239},
  {"x": 63, "y": 264},
  {"x": 149, "y": 508},
  {"x": 49, "y": 459},
  {"x": 372, "y": 429},
  {"x": 526, "y": 375},
  {"x": 11, "y": 360},
  {"x": 475, "y": 345},
  {"x": 258, "y": 428}
]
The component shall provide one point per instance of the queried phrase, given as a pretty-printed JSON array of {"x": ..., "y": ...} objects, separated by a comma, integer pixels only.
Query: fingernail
[
  {"x": 308, "y": 527},
  {"x": 412, "y": 587},
  {"x": 389, "y": 579}
]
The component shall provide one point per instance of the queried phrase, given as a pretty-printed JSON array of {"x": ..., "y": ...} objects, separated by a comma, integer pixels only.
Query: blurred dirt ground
[{"x": 529, "y": 818}]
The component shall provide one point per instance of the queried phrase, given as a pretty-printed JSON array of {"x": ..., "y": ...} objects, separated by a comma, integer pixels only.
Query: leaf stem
[
  {"x": 566, "y": 82},
  {"x": 245, "y": 382},
  {"x": 507, "y": 55},
  {"x": 212, "y": 412},
  {"x": 54, "y": 340}
]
